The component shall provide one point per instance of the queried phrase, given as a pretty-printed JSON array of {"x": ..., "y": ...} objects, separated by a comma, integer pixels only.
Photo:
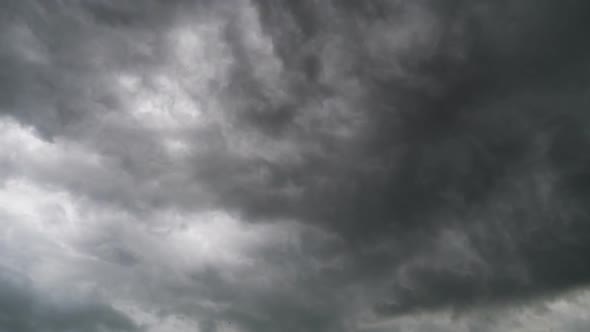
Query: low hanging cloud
[{"x": 253, "y": 165}]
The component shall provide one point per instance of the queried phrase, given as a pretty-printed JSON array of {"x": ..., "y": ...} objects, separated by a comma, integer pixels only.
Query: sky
[{"x": 294, "y": 166}]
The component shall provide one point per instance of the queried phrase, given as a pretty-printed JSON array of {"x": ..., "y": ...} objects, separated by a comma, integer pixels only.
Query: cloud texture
[{"x": 257, "y": 165}]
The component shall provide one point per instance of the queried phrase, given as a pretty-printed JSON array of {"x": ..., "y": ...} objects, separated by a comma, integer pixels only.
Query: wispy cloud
[{"x": 253, "y": 165}]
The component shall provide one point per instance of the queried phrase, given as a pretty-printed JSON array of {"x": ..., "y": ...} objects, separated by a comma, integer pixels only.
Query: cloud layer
[{"x": 253, "y": 165}]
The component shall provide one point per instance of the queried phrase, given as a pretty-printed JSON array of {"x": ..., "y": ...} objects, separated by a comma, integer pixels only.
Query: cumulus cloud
[{"x": 253, "y": 165}]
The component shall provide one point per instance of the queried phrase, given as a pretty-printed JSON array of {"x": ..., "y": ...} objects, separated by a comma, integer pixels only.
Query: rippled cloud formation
[{"x": 265, "y": 166}]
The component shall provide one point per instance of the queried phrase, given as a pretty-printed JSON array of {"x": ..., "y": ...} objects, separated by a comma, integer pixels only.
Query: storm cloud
[{"x": 257, "y": 165}]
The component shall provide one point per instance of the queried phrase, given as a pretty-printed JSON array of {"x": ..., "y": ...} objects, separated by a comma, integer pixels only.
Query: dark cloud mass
[
  {"x": 471, "y": 120},
  {"x": 23, "y": 309},
  {"x": 258, "y": 165}
]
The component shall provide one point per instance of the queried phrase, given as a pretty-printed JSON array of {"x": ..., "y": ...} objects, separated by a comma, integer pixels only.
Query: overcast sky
[{"x": 294, "y": 166}]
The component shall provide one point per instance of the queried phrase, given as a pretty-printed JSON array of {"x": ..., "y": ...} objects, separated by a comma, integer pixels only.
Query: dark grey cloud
[
  {"x": 472, "y": 121},
  {"x": 295, "y": 165},
  {"x": 25, "y": 309}
]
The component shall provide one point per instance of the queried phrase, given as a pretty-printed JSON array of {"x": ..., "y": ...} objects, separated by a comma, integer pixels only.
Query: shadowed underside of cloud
[
  {"x": 294, "y": 165},
  {"x": 455, "y": 152},
  {"x": 25, "y": 309}
]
